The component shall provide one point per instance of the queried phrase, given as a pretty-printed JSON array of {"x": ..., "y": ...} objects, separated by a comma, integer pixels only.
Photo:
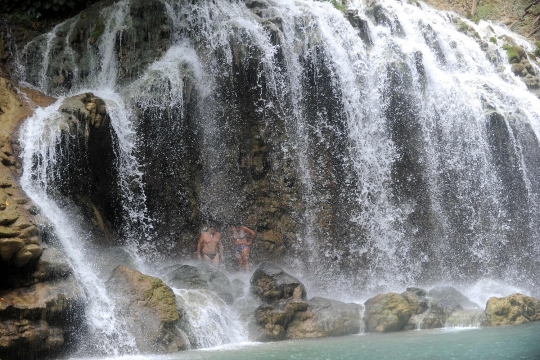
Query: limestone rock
[
  {"x": 416, "y": 298},
  {"x": 299, "y": 319},
  {"x": 52, "y": 265},
  {"x": 325, "y": 317},
  {"x": 386, "y": 313},
  {"x": 444, "y": 301},
  {"x": 449, "y": 296},
  {"x": 511, "y": 310},
  {"x": 271, "y": 284},
  {"x": 148, "y": 307},
  {"x": 40, "y": 319},
  {"x": 200, "y": 276}
]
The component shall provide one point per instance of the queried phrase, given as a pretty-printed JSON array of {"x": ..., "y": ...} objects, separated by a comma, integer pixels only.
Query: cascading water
[
  {"x": 373, "y": 148},
  {"x": 39, "y": 138}
]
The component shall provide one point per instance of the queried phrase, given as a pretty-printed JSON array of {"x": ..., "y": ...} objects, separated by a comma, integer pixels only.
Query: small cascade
[{"x": 210, "y": 322}]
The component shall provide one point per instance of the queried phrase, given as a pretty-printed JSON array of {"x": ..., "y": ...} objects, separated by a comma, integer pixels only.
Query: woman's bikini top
[{"x": 239, "y": 234}]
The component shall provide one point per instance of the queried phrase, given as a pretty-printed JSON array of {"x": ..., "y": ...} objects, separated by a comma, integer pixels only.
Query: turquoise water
[{"x": 512, "y": 343}]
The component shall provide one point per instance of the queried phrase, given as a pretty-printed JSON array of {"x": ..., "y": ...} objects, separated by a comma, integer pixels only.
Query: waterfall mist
[{"x": 373, "y": 148}]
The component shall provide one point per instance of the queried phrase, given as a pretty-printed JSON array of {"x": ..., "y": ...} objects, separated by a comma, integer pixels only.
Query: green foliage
[
  {"x": 98, "y": 30},
  {"x": 513, "y": 53},
  {"x": 537, "y": 51},
  {"x": 493, "y": 40},
  {"x": 340, "y": 4},
  {"x": 461, "y": 26}
]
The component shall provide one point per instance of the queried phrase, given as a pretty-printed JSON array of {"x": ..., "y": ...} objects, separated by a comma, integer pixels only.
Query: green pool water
[{"x": 512, "y": 342}]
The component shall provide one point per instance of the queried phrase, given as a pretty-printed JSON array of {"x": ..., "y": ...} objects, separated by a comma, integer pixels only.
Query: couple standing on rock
[{"x": 210, "y": 248}]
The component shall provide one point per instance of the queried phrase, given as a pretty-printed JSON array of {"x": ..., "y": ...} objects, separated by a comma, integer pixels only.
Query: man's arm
[
  {"x": 251, "y": 235},
  {"x": 199, "y": 247},
  {"x": 220, "y": 248}
]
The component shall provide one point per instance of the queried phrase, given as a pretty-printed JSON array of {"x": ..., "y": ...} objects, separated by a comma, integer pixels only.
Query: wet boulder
[
  {"x": 324, "y": 318},
  {"x": 271, "y": 284},
  {"x": 443, "y": 302},
  {"x": 148, "y": 308},
  {"x": 447, "y": 296},
  {"x": 512, "y": 310},
  {"x": 386, "y": 313},
  {"x": 418, "y": 303},
  {"x": 300, "y": 319},
  {"x": 416, "y": 298},
  {"x": 201, "y": 276}
]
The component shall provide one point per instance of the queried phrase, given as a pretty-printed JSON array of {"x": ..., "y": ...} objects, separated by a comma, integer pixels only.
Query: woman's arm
[{"x": 251, "y": 235}]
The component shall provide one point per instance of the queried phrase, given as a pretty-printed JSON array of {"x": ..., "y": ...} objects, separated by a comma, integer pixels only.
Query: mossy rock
[
  {"x": 98, "y": 30},
  {"x": 148, "y": 307},
  {"x": 515, "y": 53}
]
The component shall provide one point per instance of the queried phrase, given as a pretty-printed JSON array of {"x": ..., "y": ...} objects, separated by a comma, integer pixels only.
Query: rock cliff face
[
  {"x": 520, "y": 16},
  {"x": 336, "y": 158},
  {"x": 41, "y": 303}
]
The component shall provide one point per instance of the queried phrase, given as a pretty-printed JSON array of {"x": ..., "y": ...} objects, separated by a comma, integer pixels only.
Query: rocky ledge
[{"x": 41, "y": 303}]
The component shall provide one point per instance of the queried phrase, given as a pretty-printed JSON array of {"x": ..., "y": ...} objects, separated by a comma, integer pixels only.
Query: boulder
[
  {"x": 148, "y": 307},
  {"x": 511, "y": 310},
  {"x": 271, "y": 284},
  {"x": 40, "y": 320},
  {"x": 416, "y": 298},
  {"x": 299, "y": 319},
  {"x": 418, "y": 303},
  {"x": 449, "y": 296},
  {"x": 443, "y": 302},
  {"x": 324, "y": 318},
  {"x": 201, "y": 276},
  {"x": 386, "y": 313}
]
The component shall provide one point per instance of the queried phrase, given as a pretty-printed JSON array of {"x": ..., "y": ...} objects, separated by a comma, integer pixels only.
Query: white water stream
[{"x": 467, "y": 197}]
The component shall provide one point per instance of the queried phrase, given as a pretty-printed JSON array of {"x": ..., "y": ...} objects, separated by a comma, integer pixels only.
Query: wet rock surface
[
  {"x": 86, "y": 173},
  {"x": 512, "y": 310},
  {"x": 148, "y": 308},
  {"x": 201, "y": 276},
  {"x": 417, "y": 308},
  {"x": 41, "y": 320},
  {"x": 287, "y": 314},
  {"x": 41, "y": 304},
  {"x": 386, "y": 313},
  {"x": 271, "y": 284}
]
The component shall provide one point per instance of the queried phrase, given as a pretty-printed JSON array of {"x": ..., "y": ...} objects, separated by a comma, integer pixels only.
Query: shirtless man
[
  {"x": 242, "y": 237},
  {"x": 210, "y": 248}
]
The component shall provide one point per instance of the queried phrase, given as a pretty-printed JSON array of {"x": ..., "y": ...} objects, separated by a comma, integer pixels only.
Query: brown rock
[
  {"x": 271, "y": 284},
  {"x": 511, "y": 310},
  {"x": 386, "y": 313},
  {"x": 8, "y": 247},
  {"x": 38, "y": 318}
]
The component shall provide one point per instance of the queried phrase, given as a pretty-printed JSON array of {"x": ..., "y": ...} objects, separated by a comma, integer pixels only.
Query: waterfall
[
  {"x": 39, "y": 138},
  {"x": 372, "y": 148},
  {"x": 210, "y": 321}
]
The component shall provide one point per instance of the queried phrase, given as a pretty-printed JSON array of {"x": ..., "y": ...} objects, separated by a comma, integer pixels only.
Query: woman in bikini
[{"x": 242, "y": 237}]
